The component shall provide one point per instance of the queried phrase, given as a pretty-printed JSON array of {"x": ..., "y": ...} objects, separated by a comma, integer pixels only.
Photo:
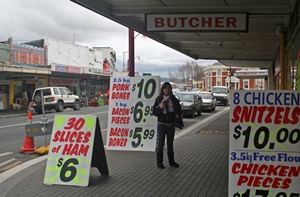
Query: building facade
[
  {"x": 50, "y": 62},
  {"x": 235, "y": 78}
]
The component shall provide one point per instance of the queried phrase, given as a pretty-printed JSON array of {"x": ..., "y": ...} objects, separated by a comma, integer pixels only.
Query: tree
[
  {"x": 172, "y": 76},
  {"x": 190, "y": 70}
]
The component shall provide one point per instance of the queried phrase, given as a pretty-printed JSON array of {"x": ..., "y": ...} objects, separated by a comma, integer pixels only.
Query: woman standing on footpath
[{"x": 167, "y": 109}]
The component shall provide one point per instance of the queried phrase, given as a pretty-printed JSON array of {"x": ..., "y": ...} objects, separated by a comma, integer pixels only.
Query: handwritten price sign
[
  {"x": 70, "y": 153},
  {"x": 264, "y": 151},
  {"x": 131, "y": 123}
]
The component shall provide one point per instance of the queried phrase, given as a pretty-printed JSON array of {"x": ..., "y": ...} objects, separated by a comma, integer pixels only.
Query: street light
[{"x": 125, "y": 61}]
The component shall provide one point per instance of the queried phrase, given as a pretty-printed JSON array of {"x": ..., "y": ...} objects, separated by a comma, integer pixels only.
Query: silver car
[
  {"x": 191, "y": 103},
  {"x": 209, "y": 101}
]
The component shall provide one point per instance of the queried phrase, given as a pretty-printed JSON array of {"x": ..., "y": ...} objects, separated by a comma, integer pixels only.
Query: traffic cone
[{"x": 28, "y": 145}]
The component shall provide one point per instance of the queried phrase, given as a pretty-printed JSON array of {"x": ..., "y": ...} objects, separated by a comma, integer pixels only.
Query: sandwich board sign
[
  {"x": 131, "y": 123},
  {"x": 76, "y": 145}
]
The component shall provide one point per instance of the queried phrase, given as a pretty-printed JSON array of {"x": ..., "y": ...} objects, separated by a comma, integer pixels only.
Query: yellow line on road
[{"x": 11, "y": 165}]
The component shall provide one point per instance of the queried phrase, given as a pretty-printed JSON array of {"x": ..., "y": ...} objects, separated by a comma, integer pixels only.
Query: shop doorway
[{"x": 30, "y": 89}]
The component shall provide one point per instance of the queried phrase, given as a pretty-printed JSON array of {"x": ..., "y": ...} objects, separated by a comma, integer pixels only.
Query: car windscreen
[
  {"x": 219, "y": 90},
  {"x": 206, "y": 96},
  {"x": 186, "y": 97}
]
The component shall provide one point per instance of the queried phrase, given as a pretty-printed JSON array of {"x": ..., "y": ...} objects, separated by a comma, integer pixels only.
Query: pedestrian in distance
[{"x": 167, "y": 109}]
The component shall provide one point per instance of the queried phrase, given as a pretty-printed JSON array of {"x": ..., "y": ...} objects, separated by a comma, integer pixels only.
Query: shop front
[
  {"x": 22, "y": 87},
  {"x": 71, "y": 83},
  {"x": 94, "y": 86},
  {"x": 4, "y": 92}
]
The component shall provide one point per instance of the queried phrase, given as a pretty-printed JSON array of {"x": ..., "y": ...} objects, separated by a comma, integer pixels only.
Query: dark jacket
[{"x": 169, "y": 117}]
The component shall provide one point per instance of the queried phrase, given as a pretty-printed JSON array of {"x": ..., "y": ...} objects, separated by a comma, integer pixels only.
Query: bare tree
[
  {"x": 181, "y": 73},
  {"x": 172, "y": 76},
  {"x": 190, "y": 70}
]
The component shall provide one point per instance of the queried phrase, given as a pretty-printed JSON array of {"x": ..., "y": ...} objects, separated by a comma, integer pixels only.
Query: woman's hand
[{"x": 162, "y": 105}]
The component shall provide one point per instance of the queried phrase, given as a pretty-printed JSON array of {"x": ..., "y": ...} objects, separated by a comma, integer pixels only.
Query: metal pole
[
  {"x": 131, "y": 52},
  {"x": 197, "y": 75},
  {"x": 230, "y": 78},
  {"x": 44, "y": 119}
]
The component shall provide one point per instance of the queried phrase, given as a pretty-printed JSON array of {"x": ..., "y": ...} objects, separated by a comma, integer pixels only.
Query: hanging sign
[
  {"x": 131, "y": 123},
  {"x": 76, "y": 145},
  {"x": 264, "y": 148}
]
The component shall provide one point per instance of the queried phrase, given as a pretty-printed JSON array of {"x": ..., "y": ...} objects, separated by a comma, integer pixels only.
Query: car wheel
[
  {"x": 211, "y": 108},
  {"x": 193, "y": 113},
  {"x": 199, "y": 112},
  {"x": 60, "y": 107},
  {"x": 76, "y": 105}
]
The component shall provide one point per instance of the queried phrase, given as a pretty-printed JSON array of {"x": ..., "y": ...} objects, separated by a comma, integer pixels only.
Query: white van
[{"x": 221, "y": 93}]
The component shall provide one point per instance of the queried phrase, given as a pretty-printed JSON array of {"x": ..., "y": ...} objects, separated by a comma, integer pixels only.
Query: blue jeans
[{"x": 162, "y": 131}]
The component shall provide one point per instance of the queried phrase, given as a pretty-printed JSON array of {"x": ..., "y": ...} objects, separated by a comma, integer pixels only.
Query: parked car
[
  {"x": 196, "y": 90},
  {"x": 57, "y": 98},
  {"x": 181, "y": 106},
  {"x": 222, "y": 94},
  {"x": 191, "y": 103},
  {"x": 209, "y": 101},
  {"x": 175, "y": 90}
]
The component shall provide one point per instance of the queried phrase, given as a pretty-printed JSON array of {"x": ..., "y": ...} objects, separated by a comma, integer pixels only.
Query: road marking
[
  {"x": 202, "y": 122},
  {"x": 3, "y": 163},
  {"x": 7, "y": 174},
  {"x": 11, "y": 166},
  {"x": 7, "y": 153}
]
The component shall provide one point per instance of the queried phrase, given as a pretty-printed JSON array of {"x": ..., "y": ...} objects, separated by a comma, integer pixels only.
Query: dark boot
[
  {"x": 160, "y": 157},
  {"x": 171, "y": 160}
]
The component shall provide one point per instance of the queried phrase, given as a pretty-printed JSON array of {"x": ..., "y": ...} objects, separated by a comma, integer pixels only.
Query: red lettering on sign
[
  {"x": 272, "y": 114},
  {"x": 120, "y": 87},
  {"x": 204, "y": 22},
  {"x": 219, "y": 21},
  {"x": 120, "y": 95},
  {"x": 231, "y": 22},
  {"x": 69, "y": 136},
  {"x": 268, "y": 182},
  {"x": 75, "y": 149},
  {"x": 120, "y": 111},
  {"x": 120, "y": 120},
  {"x": 119, "y": 132},
  {"x": 159, "y": 22},
  {"x": 194, "y": 22},
  {"x": 117, "y": 142}
]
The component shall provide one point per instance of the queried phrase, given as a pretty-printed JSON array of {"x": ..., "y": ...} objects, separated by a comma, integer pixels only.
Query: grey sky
[{"x": 26, "y": 20}]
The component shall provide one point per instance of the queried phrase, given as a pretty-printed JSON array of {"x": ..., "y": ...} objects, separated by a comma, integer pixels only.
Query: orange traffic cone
[{"x": 28, "y": 145}]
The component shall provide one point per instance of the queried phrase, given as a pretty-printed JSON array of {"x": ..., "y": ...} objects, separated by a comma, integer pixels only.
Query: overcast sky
[{"x": 26, "y": 20}]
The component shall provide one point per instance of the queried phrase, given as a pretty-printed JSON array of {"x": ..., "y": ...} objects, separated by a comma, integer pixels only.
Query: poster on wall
[
  {"x": 131, "y": 123},
  {"x": 264, "y": 148}
]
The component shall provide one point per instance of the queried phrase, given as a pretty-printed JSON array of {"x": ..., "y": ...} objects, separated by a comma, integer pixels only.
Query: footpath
[{"x": 201, "y": 150}]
